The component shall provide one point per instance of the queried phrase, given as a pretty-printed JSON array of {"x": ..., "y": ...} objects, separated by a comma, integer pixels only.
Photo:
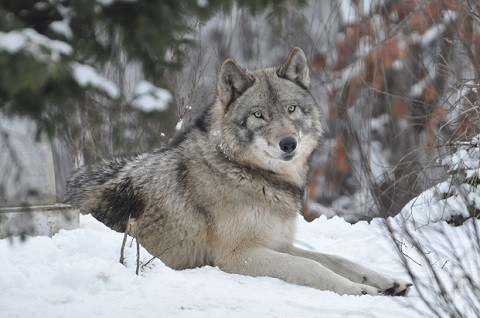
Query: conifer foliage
[{"x": 55, "y": 53}]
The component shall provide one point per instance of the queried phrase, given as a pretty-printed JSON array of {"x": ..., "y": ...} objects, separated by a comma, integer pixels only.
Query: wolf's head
[{"x": 267, "y": 118}]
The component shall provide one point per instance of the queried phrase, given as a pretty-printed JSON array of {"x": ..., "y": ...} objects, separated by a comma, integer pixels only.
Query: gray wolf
[{"x": 226, "y": 192}]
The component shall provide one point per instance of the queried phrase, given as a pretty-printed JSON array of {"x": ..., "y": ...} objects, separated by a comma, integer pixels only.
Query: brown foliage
[
  {"x": 400, "y": 108},
  {"x": 430, "y": 93},
  {"x": 381, "y": 60}
]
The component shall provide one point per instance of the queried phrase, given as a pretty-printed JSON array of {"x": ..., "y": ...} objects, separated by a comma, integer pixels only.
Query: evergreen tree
[{"x": 54, "y": 54}]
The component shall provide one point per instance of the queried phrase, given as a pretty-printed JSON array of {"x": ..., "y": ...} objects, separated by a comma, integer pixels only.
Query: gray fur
[{"x": 224, "y": 192}]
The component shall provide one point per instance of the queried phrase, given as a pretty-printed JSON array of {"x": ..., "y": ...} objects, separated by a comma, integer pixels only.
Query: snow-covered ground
[{"x": 76, "y": 273}]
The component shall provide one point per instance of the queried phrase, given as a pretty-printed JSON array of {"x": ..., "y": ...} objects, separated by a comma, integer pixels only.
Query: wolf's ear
[
  {"x": 295, "y": 68},
  {"x": 233, "y": 81}
]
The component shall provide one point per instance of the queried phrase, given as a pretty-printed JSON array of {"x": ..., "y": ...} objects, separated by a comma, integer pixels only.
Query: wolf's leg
[
  {"x": 355, "y": 272},
  {"x": 292, "y": 269}
]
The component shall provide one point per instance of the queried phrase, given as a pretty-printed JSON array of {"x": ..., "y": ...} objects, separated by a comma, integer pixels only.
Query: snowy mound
[{"x": 77, "y": 274}]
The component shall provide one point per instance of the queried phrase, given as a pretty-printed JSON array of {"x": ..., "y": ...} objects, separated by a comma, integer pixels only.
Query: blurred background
[{"x": 398, "y": 83}]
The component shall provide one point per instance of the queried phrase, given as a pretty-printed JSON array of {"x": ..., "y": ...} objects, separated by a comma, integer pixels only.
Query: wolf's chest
[
  {"x": 270, "y": 227},
  {"x": 263, "y": 218}
]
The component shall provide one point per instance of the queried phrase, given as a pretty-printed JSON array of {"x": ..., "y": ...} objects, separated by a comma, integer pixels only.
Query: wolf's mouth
[
  {"x": 288, "y": 157},
  {"x": 285, "y": 157}
]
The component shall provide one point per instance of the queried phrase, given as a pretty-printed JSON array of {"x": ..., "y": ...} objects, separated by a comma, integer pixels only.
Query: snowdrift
[{"x": 77, "y": 273}]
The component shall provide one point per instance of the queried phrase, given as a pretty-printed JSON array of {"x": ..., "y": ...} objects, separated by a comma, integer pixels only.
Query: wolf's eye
[
  {"x": 291, "y": 108},
  {"x": 258, "y": 114}
]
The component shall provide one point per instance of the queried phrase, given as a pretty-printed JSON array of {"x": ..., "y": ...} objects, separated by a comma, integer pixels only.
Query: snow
[
  {"x": 432, "y": 34},
  {"x": 449, "y": 261},
  {"x": 369, "y": 6},
  {"x": 451, "y": 197},
  {"x": 202, "y": 3},
  {"x": 431, "y": 207},
  {"x": 33, "y": 43},
  {"x": 449, "y": 15},
  {"x": 86, "y": 75},
  {"x": 77, "y": 274},
  {"x": 105, "y": 2},
  {"x": 417, "y": 89},
  {"x": 12, "y": 42},
  {"x": 348, "y": 14},
  {"x": 62, "y": 27},
  {"x": 398, "y": 65},
  {"x": 148, "y": 97},
  {"x": 179, "y": 125}
]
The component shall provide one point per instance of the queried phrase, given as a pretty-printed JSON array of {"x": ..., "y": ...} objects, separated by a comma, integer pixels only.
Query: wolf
[{"x": 226, "y": 192}]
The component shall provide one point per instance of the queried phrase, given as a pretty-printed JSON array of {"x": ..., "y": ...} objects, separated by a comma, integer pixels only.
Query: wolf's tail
[{"x": 105, "y": 192}]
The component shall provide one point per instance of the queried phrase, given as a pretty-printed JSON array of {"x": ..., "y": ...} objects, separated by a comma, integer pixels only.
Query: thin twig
[{"x": 122, "y": 250}]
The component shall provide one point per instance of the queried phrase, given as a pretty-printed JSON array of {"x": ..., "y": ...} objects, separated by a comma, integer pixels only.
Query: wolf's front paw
[
  {"x": 387, "y": 285},
  {"x": 398, "y": 288}
]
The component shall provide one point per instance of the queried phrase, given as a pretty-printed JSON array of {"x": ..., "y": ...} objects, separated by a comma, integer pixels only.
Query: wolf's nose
[{"x": 288, "y": 144}]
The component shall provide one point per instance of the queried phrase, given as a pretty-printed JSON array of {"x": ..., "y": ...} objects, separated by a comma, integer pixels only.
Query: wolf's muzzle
[{"x": 288, "y": 144}]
